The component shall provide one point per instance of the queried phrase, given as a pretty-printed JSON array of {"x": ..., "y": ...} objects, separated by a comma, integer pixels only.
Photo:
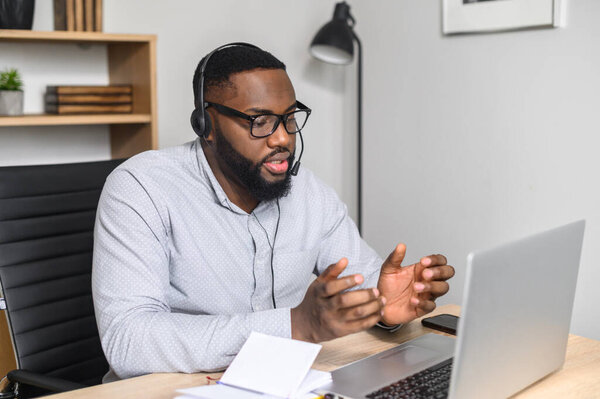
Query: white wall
[
  {"x": 474, "y": 140},
  {"x": 187, "y": 30}
]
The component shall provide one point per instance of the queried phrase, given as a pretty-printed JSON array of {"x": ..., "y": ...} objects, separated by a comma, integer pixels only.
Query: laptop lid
[{"x": 516, "y": 313}]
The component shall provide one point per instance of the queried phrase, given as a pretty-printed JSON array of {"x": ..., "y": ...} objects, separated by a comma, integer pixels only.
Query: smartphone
[{"x": 443, "y": 322}]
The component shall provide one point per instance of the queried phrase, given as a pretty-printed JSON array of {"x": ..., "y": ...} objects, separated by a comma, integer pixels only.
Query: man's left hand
[{"x": 410, "y": 291}]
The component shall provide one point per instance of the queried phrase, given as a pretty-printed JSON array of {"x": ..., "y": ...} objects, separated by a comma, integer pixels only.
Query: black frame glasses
[{"x": 301, "y": 108}]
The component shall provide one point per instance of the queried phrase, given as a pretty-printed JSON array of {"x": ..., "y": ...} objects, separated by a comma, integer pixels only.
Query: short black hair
[{"x": 230, "y": 60}]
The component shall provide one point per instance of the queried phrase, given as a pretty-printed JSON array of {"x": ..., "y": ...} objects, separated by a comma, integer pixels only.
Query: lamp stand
[{"x": 359, "y": 135}]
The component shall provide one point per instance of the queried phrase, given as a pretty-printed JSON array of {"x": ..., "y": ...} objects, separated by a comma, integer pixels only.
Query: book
[
  {"x": 267, "y": 367},
  {"x": 53, "y": 98},
  {"x": 89, "y": 15},
  {"x": 273, "y": 365},
  {"x": 60, "y": 15},
  {"x": 79, "y": 20},
  {"x": 98, "y": 16},
  {"x": 70, "y": 14},
  {"x": 88, "y": 109},
  {"x": 113, "y": 89}
]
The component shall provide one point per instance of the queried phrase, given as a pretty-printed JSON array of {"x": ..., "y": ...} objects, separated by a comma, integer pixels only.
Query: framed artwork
[{"x": 470, "y": 16}]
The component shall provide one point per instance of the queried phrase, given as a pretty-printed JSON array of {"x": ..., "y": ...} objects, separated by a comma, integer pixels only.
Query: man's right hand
[{"x": 329, "y": 311}]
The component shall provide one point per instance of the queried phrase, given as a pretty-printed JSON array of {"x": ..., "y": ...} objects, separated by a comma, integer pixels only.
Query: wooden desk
[{"x": 579, "y": 377}]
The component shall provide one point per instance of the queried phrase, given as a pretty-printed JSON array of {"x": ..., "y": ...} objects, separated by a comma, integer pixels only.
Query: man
[{"x": 198, "y": 245}]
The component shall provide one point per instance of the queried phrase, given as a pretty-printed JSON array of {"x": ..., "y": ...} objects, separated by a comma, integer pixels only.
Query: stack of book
[
  {"x": 78, "y": 15},
  {"x": 115, "y": 99}
]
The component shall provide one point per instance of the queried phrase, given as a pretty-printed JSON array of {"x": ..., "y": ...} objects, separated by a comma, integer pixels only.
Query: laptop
[{"x": 514, "y": 327}]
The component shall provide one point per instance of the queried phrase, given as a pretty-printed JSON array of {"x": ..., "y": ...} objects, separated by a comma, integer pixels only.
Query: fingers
[
  {"x": 434, "y": 260},
  {"x": 361, "y": 324},
  {"x": 358, "y": 297},
  {"x": 425, "y": 305},
  {"x": 445, "y": 272},
  {"x": 435, "y": 288},
  {"x": 396, "y": 257},
  {"x": 374, "y": 307},
  {"x": 333, "y": 271},
  {"x": 334, "y": 287}
]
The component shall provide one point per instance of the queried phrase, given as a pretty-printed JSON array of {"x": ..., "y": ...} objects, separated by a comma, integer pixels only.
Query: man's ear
[{"x": 210, "y": 137}]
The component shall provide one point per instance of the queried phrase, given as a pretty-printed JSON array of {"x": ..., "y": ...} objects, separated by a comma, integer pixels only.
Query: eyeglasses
[{"x": 264, "y": 125}]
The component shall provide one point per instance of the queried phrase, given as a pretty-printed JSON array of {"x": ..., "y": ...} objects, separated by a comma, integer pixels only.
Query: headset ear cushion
[
  {"x": 196, "y": 123},
  {"x": 201, "y": 126}
]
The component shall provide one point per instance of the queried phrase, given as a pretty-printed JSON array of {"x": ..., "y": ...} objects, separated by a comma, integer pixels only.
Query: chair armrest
[{"x": 43, "y": 381}]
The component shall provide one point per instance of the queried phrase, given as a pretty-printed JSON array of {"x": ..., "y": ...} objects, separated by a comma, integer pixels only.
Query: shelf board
[
  {"x": 70, "y": 36},
  {"x": 87, "y": 119}
]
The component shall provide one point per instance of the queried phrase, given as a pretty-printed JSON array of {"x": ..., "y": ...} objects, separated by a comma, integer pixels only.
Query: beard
[{"x": 248, "y": 173}]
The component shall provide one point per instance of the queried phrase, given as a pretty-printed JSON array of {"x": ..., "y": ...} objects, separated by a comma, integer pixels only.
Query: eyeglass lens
[{"x": 264, "y": 125}]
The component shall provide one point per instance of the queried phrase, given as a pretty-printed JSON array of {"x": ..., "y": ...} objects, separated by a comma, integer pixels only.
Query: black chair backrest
[{"x": 47, "y": 217}]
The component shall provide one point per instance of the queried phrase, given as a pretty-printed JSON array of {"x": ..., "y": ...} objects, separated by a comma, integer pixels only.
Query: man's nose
[{"x": 279, "y": 138}]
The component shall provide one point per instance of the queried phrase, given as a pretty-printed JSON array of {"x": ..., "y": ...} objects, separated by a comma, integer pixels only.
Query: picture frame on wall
[{"x": 471, "y": 16}]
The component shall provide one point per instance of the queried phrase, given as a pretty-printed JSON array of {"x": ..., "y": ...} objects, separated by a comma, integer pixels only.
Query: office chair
[{"x": 47, "y": 215}]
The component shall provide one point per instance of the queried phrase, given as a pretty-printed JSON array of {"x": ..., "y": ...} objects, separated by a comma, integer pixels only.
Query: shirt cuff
[{"x": 389, "y": 328}]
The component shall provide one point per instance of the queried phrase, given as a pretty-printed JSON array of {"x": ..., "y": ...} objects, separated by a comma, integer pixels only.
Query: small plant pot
[{"x": 11, "y": 102}]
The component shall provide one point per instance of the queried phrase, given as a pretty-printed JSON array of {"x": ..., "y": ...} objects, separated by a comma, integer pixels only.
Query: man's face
[
  {"x": 249, "y": 174},
  {"x": 261, "y": 165}
]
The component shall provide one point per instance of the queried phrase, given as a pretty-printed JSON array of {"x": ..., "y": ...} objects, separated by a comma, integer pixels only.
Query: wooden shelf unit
[{"x": 131, "y": 60}]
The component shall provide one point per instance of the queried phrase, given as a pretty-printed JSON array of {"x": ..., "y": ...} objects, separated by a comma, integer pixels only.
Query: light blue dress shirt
[{"x": 181, "y": 275}]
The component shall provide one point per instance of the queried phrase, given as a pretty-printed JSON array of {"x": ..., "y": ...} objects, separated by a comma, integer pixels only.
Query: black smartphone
[{"x": 443, "y": 322}]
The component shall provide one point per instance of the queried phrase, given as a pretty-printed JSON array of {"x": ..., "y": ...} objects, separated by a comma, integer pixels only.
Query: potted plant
[{"x": 11, "y": 93}]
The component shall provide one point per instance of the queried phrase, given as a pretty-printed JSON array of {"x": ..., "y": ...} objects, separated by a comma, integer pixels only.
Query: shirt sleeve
[{"x": 139, "y": 331}]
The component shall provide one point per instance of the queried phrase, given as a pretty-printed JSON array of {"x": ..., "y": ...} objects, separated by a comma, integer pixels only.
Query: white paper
[
  {"x": 313, "y": 380},
  {"x": 273, "y": 365}
]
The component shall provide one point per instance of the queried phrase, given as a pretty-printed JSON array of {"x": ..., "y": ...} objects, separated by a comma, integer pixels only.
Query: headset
[{"x": 200, "y": 119}]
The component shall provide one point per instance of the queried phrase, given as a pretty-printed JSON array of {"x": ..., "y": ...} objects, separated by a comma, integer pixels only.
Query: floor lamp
[{"x": 334, "y": 43}]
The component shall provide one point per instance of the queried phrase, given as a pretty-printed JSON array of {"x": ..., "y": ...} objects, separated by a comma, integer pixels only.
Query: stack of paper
[{"x": 266, "y": 367}]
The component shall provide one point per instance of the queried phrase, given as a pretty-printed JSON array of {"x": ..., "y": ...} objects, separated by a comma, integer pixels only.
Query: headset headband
[{"x": 200, "y": 88}]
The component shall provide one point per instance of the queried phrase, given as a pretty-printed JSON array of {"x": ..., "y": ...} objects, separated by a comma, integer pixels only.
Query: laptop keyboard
[{"x": 429, "y": 383}]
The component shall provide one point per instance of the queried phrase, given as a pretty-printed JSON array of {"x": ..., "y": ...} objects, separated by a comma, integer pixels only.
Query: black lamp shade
[{"x": 334, "y": 43}]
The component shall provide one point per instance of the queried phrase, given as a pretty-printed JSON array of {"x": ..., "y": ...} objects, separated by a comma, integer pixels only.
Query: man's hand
[
  {"x": 411, "y": 290},
  {"x": 329, "y": 311}
]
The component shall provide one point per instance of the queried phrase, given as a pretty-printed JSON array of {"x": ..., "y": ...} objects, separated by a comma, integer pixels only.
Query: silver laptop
[{"x": 516, "y": 314}]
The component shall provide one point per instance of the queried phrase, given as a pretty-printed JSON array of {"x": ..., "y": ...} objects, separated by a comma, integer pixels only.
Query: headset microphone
[{"x": 296, "y": 166}]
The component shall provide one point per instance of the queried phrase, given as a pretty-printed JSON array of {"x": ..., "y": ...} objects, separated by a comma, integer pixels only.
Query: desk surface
[{"x": 579, "y": 377}]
